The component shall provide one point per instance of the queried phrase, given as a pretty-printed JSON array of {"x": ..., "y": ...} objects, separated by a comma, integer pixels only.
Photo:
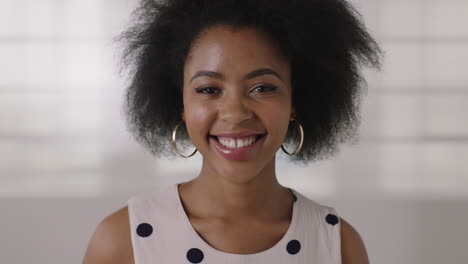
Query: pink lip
[{"x": 239, "y": 154}]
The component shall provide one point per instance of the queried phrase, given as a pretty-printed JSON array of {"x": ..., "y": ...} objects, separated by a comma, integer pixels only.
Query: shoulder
[
  {"x": 111, "y": 241},
  {"x": 353, "y": 250}
]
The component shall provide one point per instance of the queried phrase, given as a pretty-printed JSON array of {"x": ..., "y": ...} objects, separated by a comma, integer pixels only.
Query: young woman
[{"x": 239, "y": 80}]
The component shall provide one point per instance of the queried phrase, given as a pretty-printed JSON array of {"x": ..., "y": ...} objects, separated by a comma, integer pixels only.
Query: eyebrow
[{"x": 250, "y": 75}]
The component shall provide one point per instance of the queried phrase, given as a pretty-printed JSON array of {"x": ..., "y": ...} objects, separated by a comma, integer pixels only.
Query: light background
[{"x": 67, "y": 161}]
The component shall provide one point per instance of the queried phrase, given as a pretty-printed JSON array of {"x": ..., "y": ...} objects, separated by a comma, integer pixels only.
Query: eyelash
[{"x": 203, "y": 90}]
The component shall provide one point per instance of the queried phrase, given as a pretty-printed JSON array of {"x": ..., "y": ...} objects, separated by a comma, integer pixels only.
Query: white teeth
[{"x": 236, "y": 143}]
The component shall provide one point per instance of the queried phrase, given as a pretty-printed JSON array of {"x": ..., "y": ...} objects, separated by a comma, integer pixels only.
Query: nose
[{"x": 234, "y": 110}]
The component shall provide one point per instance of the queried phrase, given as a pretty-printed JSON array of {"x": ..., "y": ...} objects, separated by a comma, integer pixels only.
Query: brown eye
[
  {"x": 207, "y": 90},
  {"x": 264, "y": 88}
]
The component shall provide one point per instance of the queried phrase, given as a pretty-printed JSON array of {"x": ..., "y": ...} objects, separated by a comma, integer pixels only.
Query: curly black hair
[{"x": 326, "y": 42}]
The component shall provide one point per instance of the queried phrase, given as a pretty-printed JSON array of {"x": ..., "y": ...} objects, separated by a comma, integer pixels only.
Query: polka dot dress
[{"x": 161, "y": 232}]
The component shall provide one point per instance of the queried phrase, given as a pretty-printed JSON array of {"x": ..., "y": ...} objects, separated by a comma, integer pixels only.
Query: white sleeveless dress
[{"x": 162, "y": 234}]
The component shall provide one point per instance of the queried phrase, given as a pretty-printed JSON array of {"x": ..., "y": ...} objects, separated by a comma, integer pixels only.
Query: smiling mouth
[{"x": 235, "y": 143}]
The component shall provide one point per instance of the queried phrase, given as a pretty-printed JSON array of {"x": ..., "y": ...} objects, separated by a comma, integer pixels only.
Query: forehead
[{"x": 231, "y": 48}]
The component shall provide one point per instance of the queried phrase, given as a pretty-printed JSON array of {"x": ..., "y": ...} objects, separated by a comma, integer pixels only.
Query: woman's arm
[
  {"x": 111, "y": 242},
  {"x": 353, "y": 250}
]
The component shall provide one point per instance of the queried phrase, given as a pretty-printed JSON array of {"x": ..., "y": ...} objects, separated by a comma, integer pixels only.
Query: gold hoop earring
[
  {"x": 301, "y": 132},
  {"x": 174, "y": 144}
]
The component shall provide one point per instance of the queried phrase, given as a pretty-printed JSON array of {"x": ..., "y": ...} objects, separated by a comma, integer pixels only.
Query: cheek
[
  {"x": 283, "y": 118},
  {"x": 281, "y": 124},
  {"x": 198, "y": 118},
  {"x": 276, "y": 118}
]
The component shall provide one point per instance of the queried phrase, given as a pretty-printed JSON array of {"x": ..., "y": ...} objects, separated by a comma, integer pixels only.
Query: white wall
[{"x": 66, "y": 160}]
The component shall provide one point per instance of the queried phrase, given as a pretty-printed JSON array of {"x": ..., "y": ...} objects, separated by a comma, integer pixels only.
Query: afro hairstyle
[{"x": 325, "y": 40}]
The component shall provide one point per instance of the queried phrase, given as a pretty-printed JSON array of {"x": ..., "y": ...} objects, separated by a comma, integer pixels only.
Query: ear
[
  {"x": 293, "y": 113},
  {"x": 183, "y": 115}
]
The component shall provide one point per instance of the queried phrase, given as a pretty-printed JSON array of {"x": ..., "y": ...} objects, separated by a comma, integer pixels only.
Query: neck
[{"x": 234, "y": 196}]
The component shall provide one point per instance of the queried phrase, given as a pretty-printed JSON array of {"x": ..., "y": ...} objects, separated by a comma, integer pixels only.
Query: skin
[
  {"x": 237, "y": 198},
  {"x": 230, "y": 202},
  {"x": 227, "y": 189}
]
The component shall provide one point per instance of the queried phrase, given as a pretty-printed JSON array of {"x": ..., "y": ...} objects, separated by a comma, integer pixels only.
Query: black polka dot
[
  {"x": 293, "y": 247},
  {"x": 332, "y": 219},
  {"x": 195, "y": 255},
  {"x": 144, "y": 230}
]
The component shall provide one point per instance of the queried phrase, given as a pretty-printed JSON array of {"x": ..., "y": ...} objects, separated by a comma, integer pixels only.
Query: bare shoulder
[
  {"x": 353, "y": 250},
  {"x": 111, "y": 241}
]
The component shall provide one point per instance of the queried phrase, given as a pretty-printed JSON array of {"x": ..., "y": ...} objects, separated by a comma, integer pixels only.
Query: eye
[
  {"x": 264, "y": 88},
  {"x": 207, "y": 90}
]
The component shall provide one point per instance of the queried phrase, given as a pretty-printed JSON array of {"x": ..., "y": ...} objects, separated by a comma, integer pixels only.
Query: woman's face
[{"x": 237, "y": 99}]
